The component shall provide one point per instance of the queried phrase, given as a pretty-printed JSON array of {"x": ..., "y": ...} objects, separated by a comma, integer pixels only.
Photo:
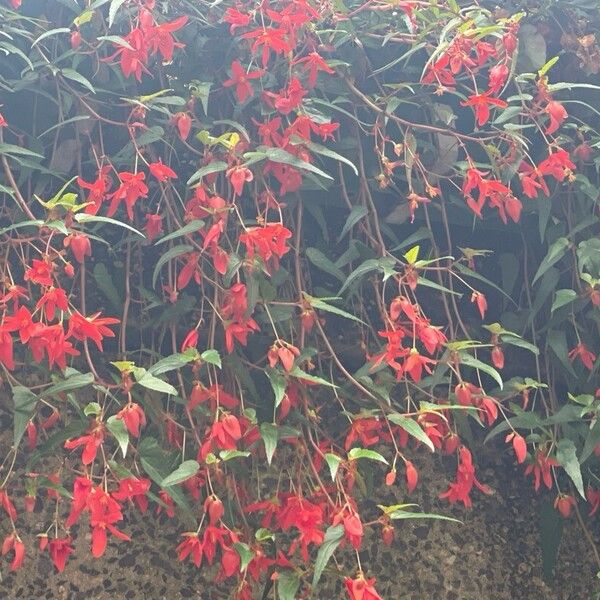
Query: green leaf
[
  {"x": 112, "y": 11},
  {"x": 566, "y": 455},
  {"x": 212, "y": 357},
  {"x": 172, "y": 362},
  {"x": 412, "y": 428},
  {"x": 320, "y": 261},
  {"x": 149, "y": 381},
  {"x": 84, "y": 218},
  {"x": 9, "y": 149},
  {"x": 333, "y": 462},
  {"x": 118, "y": 429},
  {"x": 192, "y": 227},
  {"x": 74, "y": 382},
  {"x": 92, "y": 409},
  {"x": 278, "y": 383},
  {"x": 412, "y": 255},
  {"x": 555, "y": 253},
  {"x": 470, "y": 361},
  {"x": 187, "y": 469},
  {"x": 214, "y": 167},
  {"x": 288, "y": 583},
  {"x": 73, "y": 75},
  {"x": 557, "y": 341},
  {"x": 52, "y": 32},
  {"x": 226, "y": 455},
  {"x": 515, "y": 340},
  {"x": 167, "y": 256},
  {"x": 370, "y": 265},
  {"x": 333, "y": 538},
  {"x": 319, "y": 304},
  {"x": 246, "y": 555},
  {"x": 402, "y": 514},
  {"x": 591, "y": 441},
  {"x": 105, "y": 284},
  {"x": 324, "y": 151},
  {"x": 24, "y": 401},
  {"x": 551, "y": 527},
  {"x": 268, "y": 432},
  {"x": 357, "y": 453},
  {"x": 281, "y": 156},
  {"x": 469, "y": 272},
  {"x": 300, "y": 374},
  {"x": 356, "y": 214},
  {"x": 562, "y": 298}
]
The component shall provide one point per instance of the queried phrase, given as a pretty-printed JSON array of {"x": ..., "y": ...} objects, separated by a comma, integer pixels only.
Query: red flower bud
[{"x": 75, "y": 40}]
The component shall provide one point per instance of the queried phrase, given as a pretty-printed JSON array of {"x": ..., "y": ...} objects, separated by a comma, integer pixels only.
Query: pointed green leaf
[{"x": 184, "y": 471}]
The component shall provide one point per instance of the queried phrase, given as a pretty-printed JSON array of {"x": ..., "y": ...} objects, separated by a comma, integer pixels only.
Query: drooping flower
[
  {"x": 361, "y": 588},
  {"x": 60, "y": 549},
  {"x": 93, "y": 327},
  {"x": 240, "y": 78},
  {"x": 481, "y": 105},
  {"x": 557, "y": 114},
  {"x": 133, "y": 417}
]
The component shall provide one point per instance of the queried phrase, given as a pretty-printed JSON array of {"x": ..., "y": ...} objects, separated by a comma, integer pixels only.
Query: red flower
[
  {"x": 353, "y": 529},
  {"x": 190, "y": 340},
  {"x": 90, "y": 442},
  {"x": 162, "y": 172},
  {"x": 412, "y": 476},
  {"x": 191, "y": 546},
  {"x": 365, "y": 429},
  {"x": 313, "y": 63},
  {"x": 481, "y": 105},
  {"x": 498, "y": 357},
  {"x": 105, "y": 511},
  {"x": 93, "y": 327},
  {"x": 307, "y": 518},
  {"x": 558, "y": 164},
  {"x": 287, "y": 100},
  {"x": 557, "y": 113},
  {"x": 183, "y": 122},
  {"x": 82, "y": 486},
  {"x": 166, "y": 500},
  {"x": 497, "y": 78},
  {"x": 465, "y": 479},
  {"x": 541, "y": 470},
  {"x": 236, "y": 19},
  {"x": 39, "y": 272},
  {"x": 415, "y": 363},
  {"x": 7, "y": 505},
  {"x": 80, "y": 246},
  {"x": 269, "y": 241},
  {"x": 587, "y": 357},
  {"x": 593, "y": 497},
  {"x": 98, "y": 190},
  {"x": 133, "y": 417},
  {"x": 159, "y": 38},
  {"x": 519, "y": 445},
  {"x": 13, "y": 542},
  {"x": 361, "y": 588},
  {"x": 22, "y": 321},
  {"x": 134, "y": 489},
  {"x": 481, "y": 302},
  {"x": 238, "y": 176},
  {"x": 53, "y": 298},
  {"x": 132, "y": 188},
  {"x": 564, "y": 503},
  {"x": 153, "y": 226},
  {"x": 134, "y": 56},
  {"x": 6, "y": 349},
  {"x": 60, "y": 549},
  {"x": 240, "y": 77},
  {"x": 270, "y": 38}
]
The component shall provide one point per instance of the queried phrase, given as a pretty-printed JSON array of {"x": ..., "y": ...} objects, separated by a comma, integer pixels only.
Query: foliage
[{"x": 293, "y": 242}]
